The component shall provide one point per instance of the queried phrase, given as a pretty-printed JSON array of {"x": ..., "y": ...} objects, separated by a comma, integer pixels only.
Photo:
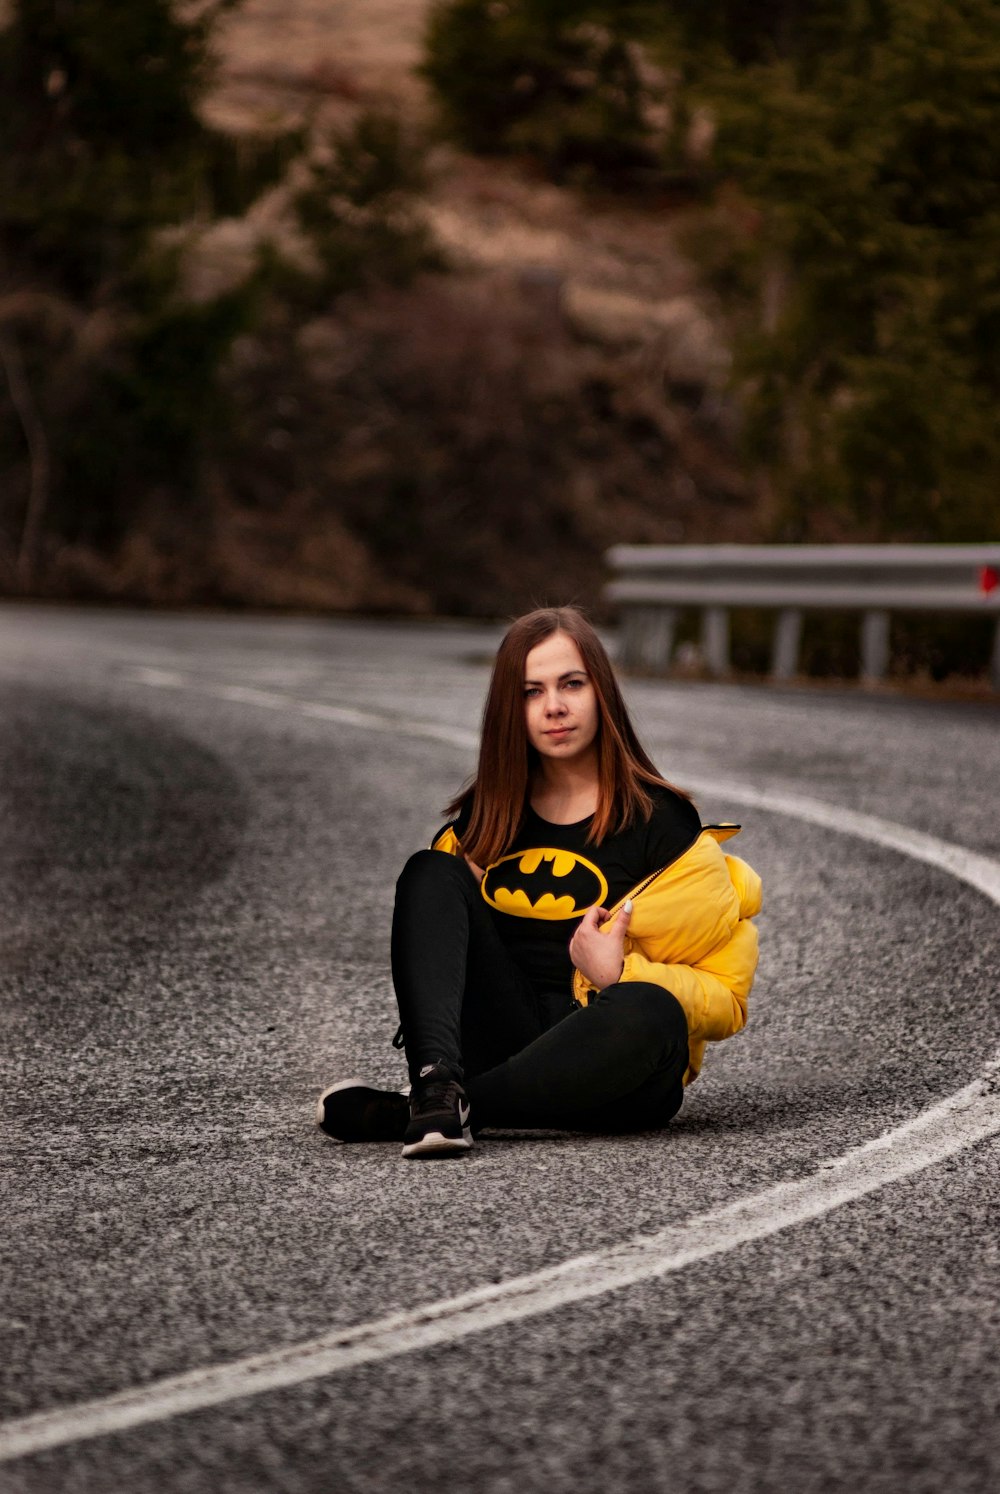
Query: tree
[
  {"x": 120, "y": 398},
  {"x": 863, "y": 139},
  {"x": 564, "y": 81},
  {"x": 100, "y": 138},
  {"x": 871, "y": 383},
  {"x": 101, "y": 145}
]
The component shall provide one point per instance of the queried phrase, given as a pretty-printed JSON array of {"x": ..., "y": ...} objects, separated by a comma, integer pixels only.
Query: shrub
[
  {"x": 566, "y": 83},
  {"x": 357, "y": 206},
  {"x": 118, "y": 401},
  {"x": 871, "y": 384}
]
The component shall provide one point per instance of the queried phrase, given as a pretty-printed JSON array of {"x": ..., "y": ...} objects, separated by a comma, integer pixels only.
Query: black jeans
[{"x": 528, "y": 1059}]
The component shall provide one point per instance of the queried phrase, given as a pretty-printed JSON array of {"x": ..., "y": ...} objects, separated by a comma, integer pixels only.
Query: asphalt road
[{"x": 202, "y": 820}]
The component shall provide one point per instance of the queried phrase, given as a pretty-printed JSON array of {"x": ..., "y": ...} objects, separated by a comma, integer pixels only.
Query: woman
[{"x": 571, "y": 940}]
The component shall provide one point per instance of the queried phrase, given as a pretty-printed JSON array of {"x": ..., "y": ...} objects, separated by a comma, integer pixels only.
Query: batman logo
[{"x": 543, "y": 883}]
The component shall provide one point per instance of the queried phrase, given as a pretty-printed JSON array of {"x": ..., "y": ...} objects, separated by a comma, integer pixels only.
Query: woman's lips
[{"x": 560, "y": 731}]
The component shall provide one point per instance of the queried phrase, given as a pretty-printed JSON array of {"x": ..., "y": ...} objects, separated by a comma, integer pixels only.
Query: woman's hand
[{"x": 600, "y": 957}]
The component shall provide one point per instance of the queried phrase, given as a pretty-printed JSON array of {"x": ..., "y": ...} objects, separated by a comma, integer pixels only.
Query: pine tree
[
  {"x": 563, "y": 81},
  {"x": 100, "y": 138},
  {"x": 873, "y": 384},
  {"x": 866, "y": 138}
]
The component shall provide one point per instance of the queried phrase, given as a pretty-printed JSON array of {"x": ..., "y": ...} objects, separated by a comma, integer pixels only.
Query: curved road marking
[
  {"x": 979, "y": 871},
  {"x": 969, "y": 1116}
]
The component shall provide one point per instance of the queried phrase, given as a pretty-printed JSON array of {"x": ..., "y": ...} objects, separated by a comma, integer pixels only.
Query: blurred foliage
[
  {"x": 108, "y": 173},
  {"x": 469, "y": 444},
  {"x": 357, "y": 206},
  {"x": 104, "y": 147},
  {"x": 853, "y": 231},
  {"x": 306, "y": 430},
  {"x": 869, "y": 353},
  {"x": 567, "y": 83},
  {"x": 101, "y": 141},
  {"x": 143, "y": 422}
]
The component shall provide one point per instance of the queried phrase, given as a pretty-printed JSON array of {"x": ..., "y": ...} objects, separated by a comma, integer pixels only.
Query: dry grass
[
  {"x": 321, "y": 59},
  {"x": 282, "y": 58},
  {"x": 470, "y": 444}
]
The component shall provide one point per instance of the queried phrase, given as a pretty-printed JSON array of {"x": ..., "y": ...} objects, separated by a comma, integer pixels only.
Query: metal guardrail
[{"x": 653, "y": 583}]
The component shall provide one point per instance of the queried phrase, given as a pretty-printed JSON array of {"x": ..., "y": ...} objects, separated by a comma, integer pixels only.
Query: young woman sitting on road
[{"x": 571, "y": 940}]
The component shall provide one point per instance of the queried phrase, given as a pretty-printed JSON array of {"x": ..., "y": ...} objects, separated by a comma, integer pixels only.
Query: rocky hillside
[
  {"x": 637, "y": 341},
  {"x": 616, "y": 269},
  {"x": 465, "y": 439}
]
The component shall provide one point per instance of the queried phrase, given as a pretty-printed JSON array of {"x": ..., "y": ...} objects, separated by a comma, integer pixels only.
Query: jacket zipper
[{"x": 641, "y": 886}]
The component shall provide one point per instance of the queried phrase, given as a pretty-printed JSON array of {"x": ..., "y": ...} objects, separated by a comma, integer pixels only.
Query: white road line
[
  {"x": 371, "y": 721},
  {"x": 968, "y": 866},
  {"x": 972, "y": 1115}
]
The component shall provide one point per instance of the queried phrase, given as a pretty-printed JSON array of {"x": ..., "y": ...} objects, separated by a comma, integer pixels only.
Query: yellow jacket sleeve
[{"x": 714, "y": 992}]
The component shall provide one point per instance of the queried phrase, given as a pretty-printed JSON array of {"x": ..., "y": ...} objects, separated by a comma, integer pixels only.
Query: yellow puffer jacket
[{"x": 690, "y": 932}]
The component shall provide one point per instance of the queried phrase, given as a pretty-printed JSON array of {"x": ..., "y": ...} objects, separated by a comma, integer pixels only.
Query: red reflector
[{"x": 989, "y": 579}]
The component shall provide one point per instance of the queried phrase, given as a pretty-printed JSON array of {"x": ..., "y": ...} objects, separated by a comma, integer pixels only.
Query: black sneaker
[
  {"x": 354, "y": 1111},
  {"x": 439, "y": 1115}
]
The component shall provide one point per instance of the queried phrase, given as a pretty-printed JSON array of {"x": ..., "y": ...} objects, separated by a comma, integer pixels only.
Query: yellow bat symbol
[{"x": 544, "y": 882}]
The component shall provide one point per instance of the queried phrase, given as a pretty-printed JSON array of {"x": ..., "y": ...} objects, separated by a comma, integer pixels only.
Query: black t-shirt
[{"x": 548, "y": 877}]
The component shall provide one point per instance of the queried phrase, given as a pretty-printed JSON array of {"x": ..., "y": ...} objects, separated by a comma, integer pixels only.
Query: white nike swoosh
[{"x": 464, "y": 1112}]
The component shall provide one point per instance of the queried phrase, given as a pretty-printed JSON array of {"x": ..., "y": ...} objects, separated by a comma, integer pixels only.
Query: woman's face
[{"x": 560, "y": 706}]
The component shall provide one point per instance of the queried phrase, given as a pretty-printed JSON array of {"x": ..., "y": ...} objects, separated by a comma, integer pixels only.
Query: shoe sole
[
  {"x": 321, "y": 1117},
  {"x": 349, "y": 1084},
  {"x": 334, "y": 1089},
  {"x": 436, "y": 1144}
]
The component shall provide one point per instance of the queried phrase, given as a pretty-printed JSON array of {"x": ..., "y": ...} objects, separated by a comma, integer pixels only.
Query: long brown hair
[{"x": 499, "y": 791}]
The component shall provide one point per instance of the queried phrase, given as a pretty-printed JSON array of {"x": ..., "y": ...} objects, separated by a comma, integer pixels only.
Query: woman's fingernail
[{"x": 628, "y": 905}]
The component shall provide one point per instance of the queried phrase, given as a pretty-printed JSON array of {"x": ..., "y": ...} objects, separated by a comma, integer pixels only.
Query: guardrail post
[
  {"x": 715, "y": 639},
  {"x": 653, "y": 584},
  {"x": 874, "y": 646},
  {"x": 648, "y": 637},
  {"x": 787, "y": 639}
]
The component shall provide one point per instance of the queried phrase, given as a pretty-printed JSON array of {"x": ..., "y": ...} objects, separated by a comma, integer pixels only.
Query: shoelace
[{"x": 442, "y": 1095}]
